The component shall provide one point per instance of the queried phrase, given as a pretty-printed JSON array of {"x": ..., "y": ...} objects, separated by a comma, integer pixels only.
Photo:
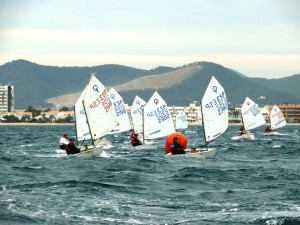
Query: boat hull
[
  {"x": 92, "y": 152},
  {"x": 199, "y": 153},
  {"x": 202, "y": 153},
  {"x": 272, "y": 133},
  {"x": 248, "y": 136}
]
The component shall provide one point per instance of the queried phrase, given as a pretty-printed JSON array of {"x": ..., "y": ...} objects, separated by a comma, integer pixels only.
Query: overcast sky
[{"x": 259, "y": 38}]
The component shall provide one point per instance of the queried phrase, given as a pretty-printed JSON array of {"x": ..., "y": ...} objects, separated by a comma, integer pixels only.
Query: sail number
[
  {"x": 220, "y": 102},
  {"x": 102, "y": 99},
  {"x": 253, "y": 109},
  {"x": 161, "y": 113},
  {"x": 119, "y": 107},
  {"x": 278, "y": 114}
]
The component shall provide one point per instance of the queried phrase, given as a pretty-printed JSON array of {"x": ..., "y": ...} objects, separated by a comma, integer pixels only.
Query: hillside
[
  {"x": 61, "y": 86},
  {"x": 288, "y": 85},
  {"x": 34, "y": 83},
  {"x": 185, "y": 85}
]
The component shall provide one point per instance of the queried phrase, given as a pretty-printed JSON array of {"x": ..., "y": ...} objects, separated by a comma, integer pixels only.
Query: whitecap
[{"x": 276, "y": 146}]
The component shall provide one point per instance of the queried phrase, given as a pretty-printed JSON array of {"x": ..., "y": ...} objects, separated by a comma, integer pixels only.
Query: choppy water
[{"x": 247, "y": 182}]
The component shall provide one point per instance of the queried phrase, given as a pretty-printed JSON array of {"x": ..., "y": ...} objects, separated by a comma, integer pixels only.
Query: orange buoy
[{"x": 182, "y": 140}]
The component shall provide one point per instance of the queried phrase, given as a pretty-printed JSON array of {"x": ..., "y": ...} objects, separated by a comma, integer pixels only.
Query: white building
[{"x": 7, "y": 98}]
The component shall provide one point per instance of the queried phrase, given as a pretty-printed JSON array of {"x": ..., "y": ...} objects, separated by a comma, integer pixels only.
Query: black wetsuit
[
  {"x": 175, "y": 149},
  {"x": 72, "y": 149}
]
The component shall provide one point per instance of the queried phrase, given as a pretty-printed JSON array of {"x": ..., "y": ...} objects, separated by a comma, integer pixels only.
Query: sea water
[{"x": 246, "y": 182}]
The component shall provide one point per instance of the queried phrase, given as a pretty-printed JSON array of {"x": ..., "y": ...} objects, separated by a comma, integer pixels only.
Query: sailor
[
  {"x": 71, "y": 147},
  {"x": 132, "y": 133},
  {"x": 176, "y": 148},
  {"x": 64, "y": 141},
  {"x": 242, "y": 130},
  {"x": 268, "y": 129},
  {"x": 135, "y": 141}
]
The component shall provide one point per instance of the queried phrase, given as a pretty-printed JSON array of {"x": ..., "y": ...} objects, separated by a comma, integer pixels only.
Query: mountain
[
  {"x": 287, "y": 85},
  {"x": 34, "y": 83}
]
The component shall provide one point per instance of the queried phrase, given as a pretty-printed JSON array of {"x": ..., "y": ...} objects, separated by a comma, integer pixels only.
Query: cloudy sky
[{"x": 259, "y": 38}]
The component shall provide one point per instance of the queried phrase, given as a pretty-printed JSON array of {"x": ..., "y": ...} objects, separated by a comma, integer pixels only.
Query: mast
[
  {"x": 203, "y": 126},
  {"x": 75, "y": 126},
  {"x": 243, "y": 120},
  {"x": 143, "y": 119},
  {"x": 87, "y": 120}
]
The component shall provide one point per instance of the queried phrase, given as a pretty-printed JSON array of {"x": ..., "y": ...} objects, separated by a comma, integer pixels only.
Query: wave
[{"x": 278, "y": 221}]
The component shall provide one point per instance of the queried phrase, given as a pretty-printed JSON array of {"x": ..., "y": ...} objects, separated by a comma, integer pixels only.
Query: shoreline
[{"x": 73, "y": 124}]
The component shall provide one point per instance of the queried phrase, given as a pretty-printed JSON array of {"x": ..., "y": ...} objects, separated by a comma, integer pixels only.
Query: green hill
[{"x": 35, "y": 83}]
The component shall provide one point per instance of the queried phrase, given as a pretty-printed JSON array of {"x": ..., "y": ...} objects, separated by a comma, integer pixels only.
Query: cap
[
  {"x": 65, "y": 135},
  {"x": 71, "y": 139}
]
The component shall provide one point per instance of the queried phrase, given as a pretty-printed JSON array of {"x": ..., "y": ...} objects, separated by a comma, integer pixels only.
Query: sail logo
[{"x": 112, "y": 96}]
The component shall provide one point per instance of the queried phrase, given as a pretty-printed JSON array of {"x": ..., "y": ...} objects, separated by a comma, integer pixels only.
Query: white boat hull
[
  {"x": 200, "y": 153},
  {"x": 272, "y": 133},
  {"x": 92, "y": 152},
  {"x": 248, "y": 136}
]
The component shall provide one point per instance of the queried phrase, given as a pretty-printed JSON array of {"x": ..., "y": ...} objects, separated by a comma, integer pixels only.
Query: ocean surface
[{"x": 247, "y": 182}]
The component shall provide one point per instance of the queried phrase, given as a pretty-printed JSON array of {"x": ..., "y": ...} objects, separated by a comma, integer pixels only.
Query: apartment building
[
  {"x": 7, "y": 98},
  {"x": 291, "y": 112}
]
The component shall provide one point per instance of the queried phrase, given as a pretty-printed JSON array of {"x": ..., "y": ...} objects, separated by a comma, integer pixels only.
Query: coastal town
[{"x": 65, "y": 114}]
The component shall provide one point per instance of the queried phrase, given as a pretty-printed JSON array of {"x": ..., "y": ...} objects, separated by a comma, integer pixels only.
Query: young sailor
[
  {"x": 176, "y": 148},
  {"x": 268, "y": 129},
  {"x": 71, "y": 148},
  {"x": 135, "y": 141},
  {"x": 242, "y": 130},
  {"x": 64, "y": 141}
]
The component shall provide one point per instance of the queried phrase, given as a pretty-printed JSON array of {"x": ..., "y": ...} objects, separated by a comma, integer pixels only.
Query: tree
[
  {"x": 11, "y": 119},
  {"x": 64, "y": 108}
]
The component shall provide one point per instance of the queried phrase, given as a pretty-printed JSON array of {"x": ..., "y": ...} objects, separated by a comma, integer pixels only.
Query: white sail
[
  {"x": 137, "y": 114},
  {"x": 121, "y": 112},
  {"x": 251, "y": 115},
  {"x": 99, "y": 109},
  {"x": 157, "y": 118},
  {"x": 277, "y": 119},
  {"x": 181, "y": 121},
  {"x": 214, "y": 110},
  {"x": 82, "y": 129}
]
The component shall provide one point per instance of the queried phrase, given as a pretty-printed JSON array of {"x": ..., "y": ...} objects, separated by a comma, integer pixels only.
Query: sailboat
[
  {"x": 95, "y": 117},
  {"x": 277, "y": 120},
  {"x": 181, "y": 121},
  {"x": 157, "y": 118},
  {"x": 121, "y": 112},
  {"x": 214, "y": 108},
  {"x": 251, "y": 118},
  {"x": 136, "y": 113}
]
